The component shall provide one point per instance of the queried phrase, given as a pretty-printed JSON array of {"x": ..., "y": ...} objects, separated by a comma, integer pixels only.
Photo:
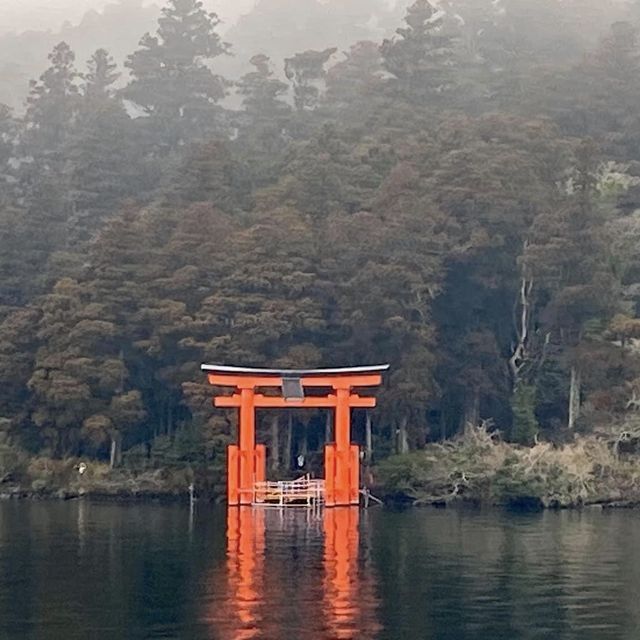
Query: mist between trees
[{"x": 460, "y": 199}]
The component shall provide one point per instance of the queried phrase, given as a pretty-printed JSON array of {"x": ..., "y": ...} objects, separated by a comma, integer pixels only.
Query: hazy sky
[{"x": 19, "y": 15}]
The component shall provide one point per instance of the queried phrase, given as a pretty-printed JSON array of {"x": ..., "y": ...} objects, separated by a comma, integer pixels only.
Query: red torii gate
[{"x": 247, "y": 461}]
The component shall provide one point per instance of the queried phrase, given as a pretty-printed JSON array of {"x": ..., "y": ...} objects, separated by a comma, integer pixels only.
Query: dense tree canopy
[{"x": 450, "y": 199}]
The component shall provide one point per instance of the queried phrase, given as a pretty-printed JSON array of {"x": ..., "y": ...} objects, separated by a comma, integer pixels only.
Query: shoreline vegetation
[
  {"x": 47, "y": 478},
  {"x": 476, "y": 469},
  {"x": 479, "y": 468}
]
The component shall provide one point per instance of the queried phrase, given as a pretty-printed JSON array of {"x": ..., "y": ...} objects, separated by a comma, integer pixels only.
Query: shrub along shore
[
  {"x": 45, "y": 478},
  {"x": 480, "y": 468}
]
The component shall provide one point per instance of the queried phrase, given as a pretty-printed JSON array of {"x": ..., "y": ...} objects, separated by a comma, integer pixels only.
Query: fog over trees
[
  {"x": 452, "y": 188},
  {"x": 24, "y": 15}
]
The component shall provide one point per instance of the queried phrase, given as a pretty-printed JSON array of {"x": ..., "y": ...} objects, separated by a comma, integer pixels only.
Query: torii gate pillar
[{"x": 246, "y": 461}]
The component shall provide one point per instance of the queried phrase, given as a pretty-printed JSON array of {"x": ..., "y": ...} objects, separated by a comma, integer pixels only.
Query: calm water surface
[{"x": 80, "y": 570}]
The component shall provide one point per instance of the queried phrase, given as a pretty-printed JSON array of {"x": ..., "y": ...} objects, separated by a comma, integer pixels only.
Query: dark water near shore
[{"x": 80, "y": 570}]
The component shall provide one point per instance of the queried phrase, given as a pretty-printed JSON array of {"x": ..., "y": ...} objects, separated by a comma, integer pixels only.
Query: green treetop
[{"x": 170, "y": 76}]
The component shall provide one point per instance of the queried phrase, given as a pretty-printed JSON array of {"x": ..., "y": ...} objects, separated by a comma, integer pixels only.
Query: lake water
[{"x": 81, "y": 570}]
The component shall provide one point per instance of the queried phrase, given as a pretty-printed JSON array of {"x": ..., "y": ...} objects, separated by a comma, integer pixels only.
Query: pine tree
[
  {"x": 422, "y": 56},
  {"x": 261, "y": 91},
  {"x": 102, "y": 73},
  {"x": 52, "y": 105},
  {"x": 170, "y": 77},
  {"x": 45, "y": 171},
  {"x": 101, "y": 152},
  {"x": 262, "y": 138}
]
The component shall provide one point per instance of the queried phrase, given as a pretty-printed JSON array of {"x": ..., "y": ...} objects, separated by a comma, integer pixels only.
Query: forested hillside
[{"x": 460, "y": 199}]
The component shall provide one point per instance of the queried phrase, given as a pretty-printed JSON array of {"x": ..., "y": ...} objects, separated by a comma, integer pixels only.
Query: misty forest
[{"x": 452, "y": 188}]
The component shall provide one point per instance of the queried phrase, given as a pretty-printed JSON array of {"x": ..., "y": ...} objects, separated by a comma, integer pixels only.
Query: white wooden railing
[{"x": 303, "y": 491}]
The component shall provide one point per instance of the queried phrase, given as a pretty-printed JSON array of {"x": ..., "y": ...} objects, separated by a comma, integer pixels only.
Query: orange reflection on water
[
  {"x": 349, "y": 588},
  {"x": 293, "y": 574},
  {"x": 341, "y": 566},
  {"x": 245, "y": 569}
]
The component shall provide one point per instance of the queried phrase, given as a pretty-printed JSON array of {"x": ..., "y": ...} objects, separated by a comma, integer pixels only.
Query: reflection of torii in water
[
  {"x": 257, "y": 599},
  {"x": 245, "y": 568},
  {"x": 349, "y": 592}
]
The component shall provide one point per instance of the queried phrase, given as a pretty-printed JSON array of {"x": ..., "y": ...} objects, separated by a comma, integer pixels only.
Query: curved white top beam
[{"x": 293, "y": 373}]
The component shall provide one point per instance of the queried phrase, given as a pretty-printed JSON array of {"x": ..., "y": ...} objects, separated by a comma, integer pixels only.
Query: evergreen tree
[
  {"x": 596, "y": 98},
  {"x": 52, "y": 106},
  {"x": 101, "y": 74},
  {"x": 101, "y": 151},
  {"x": 577, "y": 291},
  {"x": 261, "y": 91},
  {"x": 307, "y": 73},
  {"x": 421, "y": 57},
  {"x": 262, "y": 140},
  {"x": 525, "y": 425},
  {"x": 352, "y": 83},
  {"x": 170, "y": 77},
  {"x": 44, "y": 171},
  {"x": 18, "y": 342}
]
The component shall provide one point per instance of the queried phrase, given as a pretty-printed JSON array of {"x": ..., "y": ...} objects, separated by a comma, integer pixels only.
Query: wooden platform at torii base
[
  {"x": 304, "y": 491},
  {"x": 286, "y": 388}
]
